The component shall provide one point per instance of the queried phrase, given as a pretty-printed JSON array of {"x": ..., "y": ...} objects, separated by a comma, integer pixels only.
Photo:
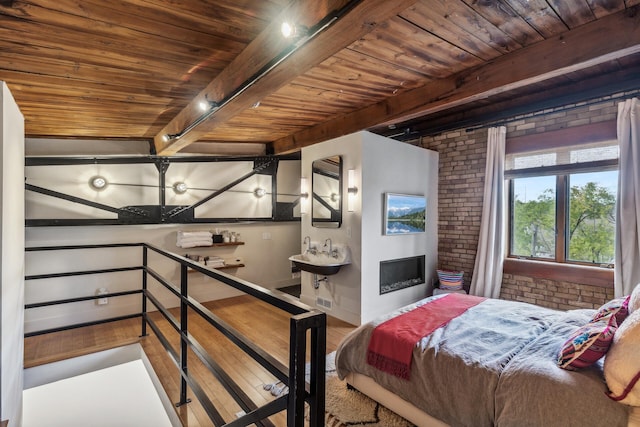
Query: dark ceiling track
[
  {"x": 324, "y": 23},
  {"x": 554, "y": 108},
  {"x": 116, "y": 160},
  {"x": 482, "y": 117}
]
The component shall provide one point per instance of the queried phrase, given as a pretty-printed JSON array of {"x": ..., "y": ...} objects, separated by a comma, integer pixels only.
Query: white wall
[
  {"x": 382, "y": 165},
  {"x": 394, "y": 167},
  {"x": 343, "y": 289},
  {"x": 265, "y": 255},
  {"x": 12, "y": 255}
]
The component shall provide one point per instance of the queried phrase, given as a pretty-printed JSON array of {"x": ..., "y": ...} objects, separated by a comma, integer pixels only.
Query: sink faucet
[
  {"x": 330, "y": 252},
  {"x": 310, "y": 249}
]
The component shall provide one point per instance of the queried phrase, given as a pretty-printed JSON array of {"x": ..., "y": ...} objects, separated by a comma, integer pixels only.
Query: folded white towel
[
  {"x": 191, "y": 239},
  {"x": 189, "y": 234},
  {"x": 193, "y": 244}
]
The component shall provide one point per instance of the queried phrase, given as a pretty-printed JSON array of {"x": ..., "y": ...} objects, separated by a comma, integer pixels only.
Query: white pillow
[
  {"x": 634, "y": 302},
  {"x": 622, "y": 364}
]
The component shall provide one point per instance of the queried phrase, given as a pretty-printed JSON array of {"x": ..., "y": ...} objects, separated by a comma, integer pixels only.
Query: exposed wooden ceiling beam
[
  {"x": 360, "y": 20},
  {"x": 578, "y": 49}
]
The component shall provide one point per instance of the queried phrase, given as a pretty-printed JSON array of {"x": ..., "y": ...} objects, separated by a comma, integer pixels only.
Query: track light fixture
[
  {"x": 208, "y": 108},
  {"x": 300, "y": 36},
  {"x": 293, "y": 31},
  {"x": 259, "y": 192},
  {"x": 207, "y": 105}
]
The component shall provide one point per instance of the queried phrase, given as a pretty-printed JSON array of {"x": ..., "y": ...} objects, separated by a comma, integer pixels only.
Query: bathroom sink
[{"x": 320, "y": 263}]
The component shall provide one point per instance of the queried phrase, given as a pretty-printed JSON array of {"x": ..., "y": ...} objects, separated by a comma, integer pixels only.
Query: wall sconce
[
  {"x": 180, "y": 187},
  {"x": 98, "y": 183},
  {"x": 352, "y": 190},
  {"x": 304, "y": 195},
  {"x": 259, "y": 192}
]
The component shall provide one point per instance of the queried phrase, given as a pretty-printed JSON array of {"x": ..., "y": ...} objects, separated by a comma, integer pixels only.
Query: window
[{"x": 562, "y": 201}]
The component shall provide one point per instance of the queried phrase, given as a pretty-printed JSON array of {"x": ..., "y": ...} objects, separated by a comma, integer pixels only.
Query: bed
[{"x": 494, "y": 364}]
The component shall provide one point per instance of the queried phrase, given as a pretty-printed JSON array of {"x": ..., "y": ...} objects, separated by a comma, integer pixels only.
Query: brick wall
[{"x": 460, "y": 194}]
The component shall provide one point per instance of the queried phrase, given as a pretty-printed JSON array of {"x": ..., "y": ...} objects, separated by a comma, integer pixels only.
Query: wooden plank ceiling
[{"x": 137, "y": 69}]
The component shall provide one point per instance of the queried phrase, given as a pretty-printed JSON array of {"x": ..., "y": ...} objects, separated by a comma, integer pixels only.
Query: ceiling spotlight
[
  {"x": 207, "y": 106},
  {"x": 165, "y": 138},
  {"x": 98, "y": 183},
  {"x": 290, "y": 31},
  {"x": 180, "y": 187},
  {"x": 259, "y": 192}
]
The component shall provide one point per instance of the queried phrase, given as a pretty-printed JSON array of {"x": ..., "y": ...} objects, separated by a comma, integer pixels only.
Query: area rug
[{"x": 347, "y": 407}]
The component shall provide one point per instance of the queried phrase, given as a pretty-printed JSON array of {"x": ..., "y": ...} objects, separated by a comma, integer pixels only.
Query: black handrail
[{"x": 303, "y": 318}]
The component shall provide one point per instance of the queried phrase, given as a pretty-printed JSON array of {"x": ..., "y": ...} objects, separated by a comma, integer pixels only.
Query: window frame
[
  {"x": 562, "y": 196},
  {"x": 559, "y": 268}
]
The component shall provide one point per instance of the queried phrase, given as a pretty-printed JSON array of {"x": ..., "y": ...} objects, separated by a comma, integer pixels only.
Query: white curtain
[
  {"x": 627, "y": 262},
  {"x": 487, "y": 272}
]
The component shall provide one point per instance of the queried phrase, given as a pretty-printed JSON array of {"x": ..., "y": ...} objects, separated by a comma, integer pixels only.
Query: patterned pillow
[
  {"x": 619, "y": 307},
  {"x": 451, "y": 280},
  {"x": 588, "y": 344}
]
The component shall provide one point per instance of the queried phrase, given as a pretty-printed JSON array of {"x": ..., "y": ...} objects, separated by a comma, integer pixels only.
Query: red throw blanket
[{"x": 392, "y": 342}]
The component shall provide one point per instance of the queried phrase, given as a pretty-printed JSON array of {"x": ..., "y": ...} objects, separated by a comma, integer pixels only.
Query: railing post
[
  {"x": 144, "y": 290},
  {"x": 297, "y": 349},
  {"x": 317, "y": 380},
  {"x": 184, "y": 345},
  {"x": 315, "y": 321}
]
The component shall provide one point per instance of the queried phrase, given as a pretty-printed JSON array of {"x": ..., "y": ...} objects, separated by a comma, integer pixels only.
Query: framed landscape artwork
[{"x": 404, "y": 214}]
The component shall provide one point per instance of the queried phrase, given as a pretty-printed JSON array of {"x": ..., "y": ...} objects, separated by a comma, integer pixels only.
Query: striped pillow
[
  {"x": 619, "y": 307},
  {"x": 588, "y": 344},
  {"x": 450, "y": 280}
]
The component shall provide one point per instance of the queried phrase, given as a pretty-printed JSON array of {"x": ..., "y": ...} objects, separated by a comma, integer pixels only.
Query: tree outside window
[{"x": 565, "y": 217}]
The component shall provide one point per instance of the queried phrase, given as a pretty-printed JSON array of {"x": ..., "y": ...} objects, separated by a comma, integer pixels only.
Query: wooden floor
[{"x": 263, "y": 324}]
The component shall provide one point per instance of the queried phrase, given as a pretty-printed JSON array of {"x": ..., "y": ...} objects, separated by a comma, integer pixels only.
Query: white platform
[{"x": 100, "y": 390}]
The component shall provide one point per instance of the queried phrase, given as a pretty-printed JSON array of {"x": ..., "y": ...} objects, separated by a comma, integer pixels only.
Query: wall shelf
[
  {"x": 214, "y": 245},
  {"x": 228, "y": 244},
  {"x": 224, "y": 267}
]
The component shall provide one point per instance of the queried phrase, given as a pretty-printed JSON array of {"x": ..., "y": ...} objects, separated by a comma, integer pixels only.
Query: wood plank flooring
[{"x": 263, "y": 324}]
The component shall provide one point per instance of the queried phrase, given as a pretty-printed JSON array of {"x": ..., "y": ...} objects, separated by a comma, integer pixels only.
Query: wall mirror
[{"x": 326, "y": 189}]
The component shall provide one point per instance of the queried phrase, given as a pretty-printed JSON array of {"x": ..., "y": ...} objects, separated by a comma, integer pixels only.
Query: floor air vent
[{"x": 323, "y": 302}]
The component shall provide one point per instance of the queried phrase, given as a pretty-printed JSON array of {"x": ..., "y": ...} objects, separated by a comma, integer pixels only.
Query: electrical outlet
[
  {"x": 102, "y": 301},
  {"x": 266, "y": 236}
]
